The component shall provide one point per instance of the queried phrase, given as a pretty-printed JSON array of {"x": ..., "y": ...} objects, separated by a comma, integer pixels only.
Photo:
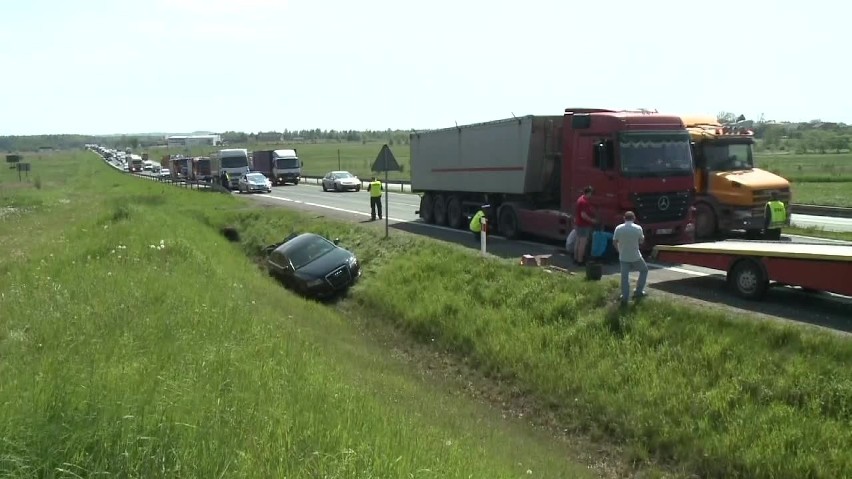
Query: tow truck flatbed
[{"x": 752, "y": 265}]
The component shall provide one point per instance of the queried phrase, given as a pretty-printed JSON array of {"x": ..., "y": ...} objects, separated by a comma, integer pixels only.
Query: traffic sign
[{"x": 385, "y": 161}]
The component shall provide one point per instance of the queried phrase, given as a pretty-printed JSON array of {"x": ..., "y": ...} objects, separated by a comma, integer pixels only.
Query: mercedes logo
[{"x": 663, "y": 203}]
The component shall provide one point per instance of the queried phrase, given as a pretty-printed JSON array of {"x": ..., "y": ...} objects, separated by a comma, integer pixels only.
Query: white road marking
[{"x": 673, "y": 269}]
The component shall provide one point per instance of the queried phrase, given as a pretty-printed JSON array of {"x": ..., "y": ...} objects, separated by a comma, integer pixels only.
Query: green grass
[
  {"x": 123, "y": 357},
  {"x": 820, "y": 233},
  {"x": 712, "y": 394},
  {"x": 817, "y": 179}
]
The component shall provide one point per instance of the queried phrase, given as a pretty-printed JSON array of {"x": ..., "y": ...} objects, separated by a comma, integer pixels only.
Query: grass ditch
[
  {"x": 136, "y": 341},
  {"x": 705, "y": 392}
]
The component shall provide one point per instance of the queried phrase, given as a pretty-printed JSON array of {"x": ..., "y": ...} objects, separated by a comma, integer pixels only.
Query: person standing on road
[
  {"x": 583, "y": 221},
  {"x": 626, "y": 239},
  {"x": 775, "y": 213},
  {"x": 375, "y": 189}
]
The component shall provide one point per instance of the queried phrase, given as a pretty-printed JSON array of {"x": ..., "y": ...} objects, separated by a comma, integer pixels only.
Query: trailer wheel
[
  {"x": 454, "y": 212},
  {"x": 507, "y": 223},
  {"x": 440, "y": 210},
  {"x": 427, "y": 211},
  {"x": 748, "y": 279}
]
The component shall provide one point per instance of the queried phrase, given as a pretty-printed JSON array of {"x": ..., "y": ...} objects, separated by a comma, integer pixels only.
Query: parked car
[
  {"x": 254, "y": 181},
  {"x": 312, "y": 265},
  {"x": 340, "y": 181}
]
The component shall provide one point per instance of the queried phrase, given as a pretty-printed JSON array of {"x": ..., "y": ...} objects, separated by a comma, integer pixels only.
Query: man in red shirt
[{"x": 584, "y": 219}]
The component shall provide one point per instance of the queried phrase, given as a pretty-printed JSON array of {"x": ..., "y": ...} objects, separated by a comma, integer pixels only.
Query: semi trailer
[
  {"x": 730, "y": 193},
  {"x": 235, "y": 161},
  {"x": 532, "y": 169},
  {"x": 280, "y": 166}
]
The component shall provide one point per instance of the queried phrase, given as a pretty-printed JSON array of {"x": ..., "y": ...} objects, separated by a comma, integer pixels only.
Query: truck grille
[
  {"x": 662, "y": 207},
  {"x": 339, "y": 277},
  {"x": 761, "y": 197}
]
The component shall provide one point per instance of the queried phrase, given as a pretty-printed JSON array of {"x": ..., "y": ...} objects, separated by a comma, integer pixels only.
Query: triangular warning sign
[{"x": 385, "y": 161}]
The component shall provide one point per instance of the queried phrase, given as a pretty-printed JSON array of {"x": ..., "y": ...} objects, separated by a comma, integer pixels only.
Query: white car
[
  {"x": 254, "y": 181},
  {"x": 341, "y": 181}
]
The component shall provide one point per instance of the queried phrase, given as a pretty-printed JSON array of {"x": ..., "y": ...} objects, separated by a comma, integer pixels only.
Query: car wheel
[
  {"x": 357, "y": 189},
  {"x": 323, "y": 186},
  {"x": 337, "y": 187}
]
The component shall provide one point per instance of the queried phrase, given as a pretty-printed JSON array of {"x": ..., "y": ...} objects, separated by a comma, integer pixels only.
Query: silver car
[
  {"x": 254, "y": 181},
  {"x": 341, "y": 181}
]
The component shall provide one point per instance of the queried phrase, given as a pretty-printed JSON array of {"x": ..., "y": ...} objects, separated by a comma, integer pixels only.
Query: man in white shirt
[{"x": 626, "y": 238}]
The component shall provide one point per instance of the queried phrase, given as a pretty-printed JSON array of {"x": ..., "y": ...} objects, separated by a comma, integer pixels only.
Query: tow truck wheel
[
  {"x": 705, "y": 221},
  {"x": 748, "y": 279}
]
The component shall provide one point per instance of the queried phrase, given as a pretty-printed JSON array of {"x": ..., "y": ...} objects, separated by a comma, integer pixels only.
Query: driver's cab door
[{"x": 596, "y": 167}]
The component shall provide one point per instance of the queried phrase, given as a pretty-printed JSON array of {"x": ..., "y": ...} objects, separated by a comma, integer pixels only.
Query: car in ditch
[
  {"x": 254, "y": 181},
  {"x": 341, "y": 181},
  {"x": 312, "y": 265}
]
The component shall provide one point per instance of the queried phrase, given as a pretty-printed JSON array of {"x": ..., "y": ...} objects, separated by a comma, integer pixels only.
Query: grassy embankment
[
  {"x": 136, "y": 342},
  {"x": 713, "y": 394}
]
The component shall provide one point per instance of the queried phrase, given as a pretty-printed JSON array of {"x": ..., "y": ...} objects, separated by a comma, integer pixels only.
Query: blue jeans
[{"x": 626, "y": 267}]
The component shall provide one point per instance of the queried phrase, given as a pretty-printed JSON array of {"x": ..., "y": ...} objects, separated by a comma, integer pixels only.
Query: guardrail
[
  {"x": 817, "y": 210},
  {"x": 404, "y": 186}
]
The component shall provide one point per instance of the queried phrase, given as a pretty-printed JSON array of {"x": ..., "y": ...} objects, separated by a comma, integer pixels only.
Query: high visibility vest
[
  {"x": 375, "y": 189},
  {"x": 476, "y": 222},
  {"x": 776, "y": 214}
]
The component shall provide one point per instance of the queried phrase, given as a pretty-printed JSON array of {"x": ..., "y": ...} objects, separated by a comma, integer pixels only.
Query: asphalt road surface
[{"x": 699, "y": 284}]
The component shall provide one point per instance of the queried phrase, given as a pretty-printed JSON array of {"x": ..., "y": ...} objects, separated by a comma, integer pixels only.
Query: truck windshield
[
  {"x": 651, "y": 154},
  {"x": 234, "y": 162},
  {"x": 287, "y": 163},
  {"x": 733, "y": 156}
]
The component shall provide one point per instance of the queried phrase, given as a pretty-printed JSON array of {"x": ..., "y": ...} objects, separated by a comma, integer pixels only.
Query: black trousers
[{"x": 375, "y": 204}]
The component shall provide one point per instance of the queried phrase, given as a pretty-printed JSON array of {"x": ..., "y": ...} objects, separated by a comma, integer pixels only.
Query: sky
[{"x": 135, "y": 66}]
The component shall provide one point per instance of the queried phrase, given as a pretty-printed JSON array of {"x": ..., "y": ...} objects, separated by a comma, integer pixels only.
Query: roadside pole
[
  {"x": 483, "y": 235},
  {"x": 386, "y": 162}
]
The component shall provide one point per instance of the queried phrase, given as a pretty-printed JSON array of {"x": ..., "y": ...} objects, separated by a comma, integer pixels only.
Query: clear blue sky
[{"x": 130, "y": 66}]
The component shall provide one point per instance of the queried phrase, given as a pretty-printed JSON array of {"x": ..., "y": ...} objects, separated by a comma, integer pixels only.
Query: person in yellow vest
[
  {"x": 775, "y": 213},
  {"x": 375, "y": 189},
  {"x": 476, "y": 222}
]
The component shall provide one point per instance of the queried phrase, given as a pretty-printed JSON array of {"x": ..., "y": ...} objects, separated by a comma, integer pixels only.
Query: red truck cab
[{"x": 635, "y": 161}]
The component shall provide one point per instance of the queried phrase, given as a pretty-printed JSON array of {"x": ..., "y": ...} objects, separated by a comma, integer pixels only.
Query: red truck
[{"x": 532, "y": 169}]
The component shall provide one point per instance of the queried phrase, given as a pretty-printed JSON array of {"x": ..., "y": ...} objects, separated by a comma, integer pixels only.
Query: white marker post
[{"x": 482, "y": 235}]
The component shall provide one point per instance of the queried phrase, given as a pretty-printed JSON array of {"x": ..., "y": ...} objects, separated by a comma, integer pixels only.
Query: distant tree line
[{"x": 815, "y": 136}]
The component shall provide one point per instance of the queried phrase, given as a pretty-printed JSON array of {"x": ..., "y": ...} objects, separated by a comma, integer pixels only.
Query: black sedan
[{"x": 312, "y": 265}]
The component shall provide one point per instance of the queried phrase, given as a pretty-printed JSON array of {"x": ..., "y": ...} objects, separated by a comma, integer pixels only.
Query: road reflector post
[{"x": 483, "y": 235}]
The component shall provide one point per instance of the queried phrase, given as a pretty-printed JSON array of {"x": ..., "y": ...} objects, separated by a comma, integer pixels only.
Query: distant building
[{"x": 180, "y": 141}]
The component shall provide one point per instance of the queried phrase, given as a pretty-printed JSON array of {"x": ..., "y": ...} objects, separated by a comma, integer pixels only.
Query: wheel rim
[{"x": 747, "y": 281}]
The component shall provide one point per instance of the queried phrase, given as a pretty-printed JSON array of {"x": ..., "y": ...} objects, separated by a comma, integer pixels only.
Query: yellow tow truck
[{"x": 730, "y": 193}]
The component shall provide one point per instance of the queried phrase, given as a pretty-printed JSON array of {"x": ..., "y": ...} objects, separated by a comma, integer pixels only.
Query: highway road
[
  {"x": 827, "y": 223},
  {"x": 699, "y": 284}
]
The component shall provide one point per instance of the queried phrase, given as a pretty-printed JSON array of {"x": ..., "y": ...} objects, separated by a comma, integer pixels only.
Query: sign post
[{"x": 386, "y": 162}]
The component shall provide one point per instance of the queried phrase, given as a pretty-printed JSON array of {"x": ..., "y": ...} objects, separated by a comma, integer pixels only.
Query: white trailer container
[{"x": 511, "y": 156}]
